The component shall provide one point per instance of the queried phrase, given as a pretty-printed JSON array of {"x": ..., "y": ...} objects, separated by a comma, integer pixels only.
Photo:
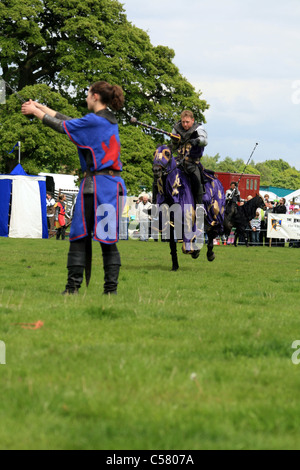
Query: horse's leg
[
  {"x": 210, "y": 247},
  {"x": 173, "y": 252},
  {"x": 246, "y": 238}
]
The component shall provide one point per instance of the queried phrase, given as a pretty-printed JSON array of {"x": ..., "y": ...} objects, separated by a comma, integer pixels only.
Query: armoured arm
[
  {"x": 228, "y": 194},
  {"x": 175, "y": 140},
  {"x": 54, "y": 122},
  {"x": 63, "y": 117},
  {"x": 201, "y": 139}
]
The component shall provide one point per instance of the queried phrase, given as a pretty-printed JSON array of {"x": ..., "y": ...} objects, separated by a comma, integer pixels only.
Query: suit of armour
[{"x": 190, "y": 149}]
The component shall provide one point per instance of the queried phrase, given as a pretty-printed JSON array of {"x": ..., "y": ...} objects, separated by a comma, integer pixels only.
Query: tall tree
[
  {"x": 68, "y": 45},
  {"x": 42, "y": 149}
]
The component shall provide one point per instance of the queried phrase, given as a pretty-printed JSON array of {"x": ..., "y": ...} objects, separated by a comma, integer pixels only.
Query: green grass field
[{"x": 194, "y": 359}]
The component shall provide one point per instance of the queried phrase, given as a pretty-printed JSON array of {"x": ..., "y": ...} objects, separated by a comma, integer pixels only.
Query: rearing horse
[{"x": 173, "y": 188}]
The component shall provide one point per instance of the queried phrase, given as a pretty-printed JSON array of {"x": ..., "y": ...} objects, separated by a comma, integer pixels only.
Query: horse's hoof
[
  {"x": 195, "y": 254},
  {"x": 211, "y": 257},
  {"x": 175, "y": 268}
]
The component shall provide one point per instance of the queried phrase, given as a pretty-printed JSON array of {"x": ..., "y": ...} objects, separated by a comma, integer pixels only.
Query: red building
[{"x": 248, "y": 185}]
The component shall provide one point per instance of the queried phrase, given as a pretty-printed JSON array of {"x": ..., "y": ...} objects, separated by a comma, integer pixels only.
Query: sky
[{"x": 244, "y": 56}]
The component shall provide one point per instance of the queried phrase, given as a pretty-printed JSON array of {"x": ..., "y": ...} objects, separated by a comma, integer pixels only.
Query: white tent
[
  {"x": 23, "y": 212},
  {"x": 294, "y": 196},
  {"x": 63, "y": 183}
]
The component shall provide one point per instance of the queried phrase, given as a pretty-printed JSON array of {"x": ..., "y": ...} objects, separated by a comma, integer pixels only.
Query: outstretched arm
[
  {"x": 35, "y": 109},
  {"x": 45, "y": 109},
  {"x": 49, "y": 117}
]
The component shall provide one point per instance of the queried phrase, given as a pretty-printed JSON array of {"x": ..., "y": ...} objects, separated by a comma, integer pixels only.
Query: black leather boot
[
  {"x": 76, "y": 265},
  {"x": 111, "y": 266}
]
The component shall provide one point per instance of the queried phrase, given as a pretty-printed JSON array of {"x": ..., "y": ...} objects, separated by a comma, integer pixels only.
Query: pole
[
  {"x": 14, "y": 91},
  {"x": 247, "y": 163},
  {"x": 19, "y": 145},
  {"x": 161, "y": 131}
]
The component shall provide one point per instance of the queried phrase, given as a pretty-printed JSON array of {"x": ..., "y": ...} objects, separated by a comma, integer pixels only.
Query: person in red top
[{"x": 60, "y": 221}]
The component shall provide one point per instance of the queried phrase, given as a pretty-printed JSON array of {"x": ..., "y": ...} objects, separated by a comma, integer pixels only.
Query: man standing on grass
[
  {"x": 143, "y": 217},
  {"x": 50, "y": 202}
]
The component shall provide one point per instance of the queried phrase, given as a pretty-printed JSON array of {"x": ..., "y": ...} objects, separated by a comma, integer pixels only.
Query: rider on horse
[
  {"x": 190, "y": 148},
  {"x": 232, "y": 198}
]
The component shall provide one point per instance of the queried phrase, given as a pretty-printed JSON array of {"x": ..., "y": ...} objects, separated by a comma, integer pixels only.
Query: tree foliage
[
  {"x": 42, "y": 149},
  {"x": 283, "y": 175},
  {"x": 67, "y": 45}
]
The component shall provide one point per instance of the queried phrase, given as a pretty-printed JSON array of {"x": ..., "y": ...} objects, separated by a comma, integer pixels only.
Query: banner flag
[
  {"x": 17, "y": 145},
  {"x": 284, "y": 226}
]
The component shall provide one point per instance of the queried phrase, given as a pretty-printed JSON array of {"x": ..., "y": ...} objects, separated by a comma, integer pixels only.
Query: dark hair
[{"x": 111, "y": 95}]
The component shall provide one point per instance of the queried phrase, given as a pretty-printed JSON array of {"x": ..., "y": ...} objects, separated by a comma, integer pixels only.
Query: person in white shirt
[
  {"x": 143, "y": 217},
  {"x": 50, "y": 211}
]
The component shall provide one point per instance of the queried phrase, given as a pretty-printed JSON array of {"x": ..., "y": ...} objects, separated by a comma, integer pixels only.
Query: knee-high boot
[
  {"x": 198, "y": 194},
  {"x": 111, "y": 266},
  {"x": 76, "y": 265}
]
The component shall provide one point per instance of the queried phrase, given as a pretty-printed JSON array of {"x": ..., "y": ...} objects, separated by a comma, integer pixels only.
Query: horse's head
[
  {"x": 161, "y": 160},
  {"x": 260, "y": 201}
]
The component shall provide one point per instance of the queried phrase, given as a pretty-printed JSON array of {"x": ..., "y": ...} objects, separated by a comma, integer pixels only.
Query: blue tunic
[{"x": 101, "y": 137}]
